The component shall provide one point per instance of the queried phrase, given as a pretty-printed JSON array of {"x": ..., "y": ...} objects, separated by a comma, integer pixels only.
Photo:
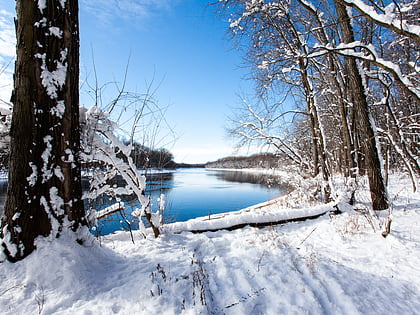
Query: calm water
[{"x": 191, "y": 193}]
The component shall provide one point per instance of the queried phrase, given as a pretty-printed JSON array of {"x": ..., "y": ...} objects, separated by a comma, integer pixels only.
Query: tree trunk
[
  {"x": 333, "y": 76},
  {"x": 319, "y": 150},
  {"x": 44, "y": 188},
  {"x": 363, "y": 119}
]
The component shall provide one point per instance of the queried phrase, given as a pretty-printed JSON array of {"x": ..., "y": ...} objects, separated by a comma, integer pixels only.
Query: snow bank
[
  {"x": 337, "y": 265},
  {"x": 272, "y": 211}
]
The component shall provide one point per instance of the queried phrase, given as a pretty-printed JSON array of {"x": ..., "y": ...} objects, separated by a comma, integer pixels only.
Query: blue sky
[{"x": 182, "y": 45}]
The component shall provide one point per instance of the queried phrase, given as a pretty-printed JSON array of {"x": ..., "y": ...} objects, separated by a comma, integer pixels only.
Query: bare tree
[
  {"x": 279, "y": 52},
  {"x": 355, "y": 65},
  {"x": 363, "y": 118}
]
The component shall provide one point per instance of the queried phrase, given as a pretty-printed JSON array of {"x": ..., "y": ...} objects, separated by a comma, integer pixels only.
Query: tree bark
[
  {"x": 363, "y": 119},
  {"x": 44, "y": 188},
  {"x": 319, "y": 150},
  {"x": 333, "y": 76}
]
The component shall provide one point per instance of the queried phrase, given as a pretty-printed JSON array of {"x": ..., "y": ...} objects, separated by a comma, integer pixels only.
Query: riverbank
[
  {"x": 189, "y": 193},
  {"x": 331, "y": 265}
]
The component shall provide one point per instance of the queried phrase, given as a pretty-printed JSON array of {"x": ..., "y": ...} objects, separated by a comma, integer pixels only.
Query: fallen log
[
  {"x": 102, "y": 214},
  {"x": 262, "y": 224},
  {"x": 266, "y": 214}
]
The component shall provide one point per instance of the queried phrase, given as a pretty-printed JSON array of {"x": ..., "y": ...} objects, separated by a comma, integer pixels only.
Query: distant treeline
[
  {"x": 263, "y": 160},
  {"x": 186, "y": 165},
  {"x": 145, "y": 157}
]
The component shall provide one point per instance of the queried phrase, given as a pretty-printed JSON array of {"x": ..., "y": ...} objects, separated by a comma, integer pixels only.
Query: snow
[
  {"x": 42, "y": 4},
  {"x": 46, "y": 173},
  {"x": 390, "y": 18},
  {"x": 34, "y": 175},
  {"x": 41, "y": 23},
  {"x": 7, "y": 242},
  {"x": 59, "y": 109},
  {"x": 54, "y": 80},
  {"x": 267, "y": 212},
  {"x": 109, "y": 210},
  {"x": 58, "y": 173},
  {"x": 331, "y": 265},
  {"x": 63, "y": 3},
  {"x": 57, "y": 203},
  {"x": 56, "y": 31},
  {"x": 100, "y": 143},
  {"x": 393, "y": 68}
]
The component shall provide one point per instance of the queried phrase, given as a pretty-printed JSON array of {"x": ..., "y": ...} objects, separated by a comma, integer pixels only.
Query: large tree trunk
[
  {"x": 363, "y": 119},
  {"x": 44, "y": 188}
]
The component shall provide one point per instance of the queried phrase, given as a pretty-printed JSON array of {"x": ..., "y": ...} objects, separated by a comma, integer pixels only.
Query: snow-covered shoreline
[
  {"x": 266, "y": 212},
  {"x": 330, "y": 265}
]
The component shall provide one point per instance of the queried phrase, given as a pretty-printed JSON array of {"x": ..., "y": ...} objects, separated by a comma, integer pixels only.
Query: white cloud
[
  {"x": 108, "y": 10},
  {"x": 7, "y": 35},
  {"x": 7, "y": 54}
]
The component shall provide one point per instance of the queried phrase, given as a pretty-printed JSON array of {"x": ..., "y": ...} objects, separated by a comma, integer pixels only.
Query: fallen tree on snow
[{"x": 264, "y": 214}]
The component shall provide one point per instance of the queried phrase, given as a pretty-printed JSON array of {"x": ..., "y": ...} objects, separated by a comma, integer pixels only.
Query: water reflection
[
  {"x": 157, "y": 183},
  {"x": 189, "y": 193},
  {"x": 265, "y": 180}
]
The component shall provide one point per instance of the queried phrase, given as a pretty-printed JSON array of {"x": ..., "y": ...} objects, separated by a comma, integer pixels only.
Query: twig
[
  {"x": 259, "y": 260},
  {"x": 387, "y": 227},
  {"x": 306, "y": 238},
  {"x": 11, "y": 288}
]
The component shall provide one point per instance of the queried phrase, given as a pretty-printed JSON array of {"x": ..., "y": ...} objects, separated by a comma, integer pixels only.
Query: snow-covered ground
[{"x": 331, "y": 265}]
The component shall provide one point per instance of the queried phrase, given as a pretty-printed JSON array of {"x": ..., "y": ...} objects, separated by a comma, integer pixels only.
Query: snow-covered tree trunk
[
  {"x": 332, "y": 77},
  {"x": 319, "y": 149},
  {"x": 363, "y": 119},
  {"x": 44, "y": 188}
]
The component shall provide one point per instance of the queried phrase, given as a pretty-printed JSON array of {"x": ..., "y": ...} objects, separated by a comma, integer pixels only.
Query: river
[{"x": 191, "y": 193}]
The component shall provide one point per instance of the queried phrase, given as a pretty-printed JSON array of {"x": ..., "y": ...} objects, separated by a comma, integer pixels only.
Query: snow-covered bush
[{"x": 99, "y": 144}]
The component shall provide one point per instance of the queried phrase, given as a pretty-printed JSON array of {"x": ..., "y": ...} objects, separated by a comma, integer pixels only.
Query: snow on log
[
  {"x": 263, "y": 214},
  {"x": 102, "y": 214}
]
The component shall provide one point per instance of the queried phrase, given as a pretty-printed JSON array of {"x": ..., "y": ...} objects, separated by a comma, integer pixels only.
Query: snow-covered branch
[
  {"x": 100, "y": 144},
  {"x": 390, "y": 19},
  {"x": 257, "y": 131},
  {"x": 368, "y": 53}
]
